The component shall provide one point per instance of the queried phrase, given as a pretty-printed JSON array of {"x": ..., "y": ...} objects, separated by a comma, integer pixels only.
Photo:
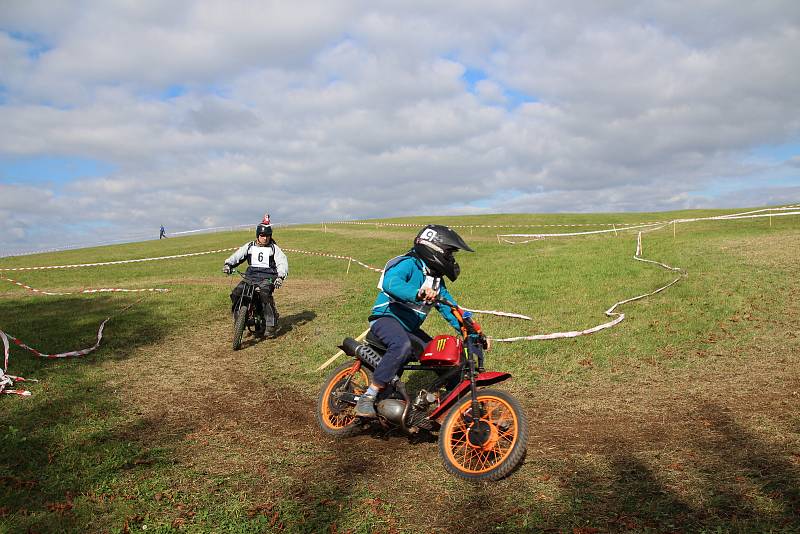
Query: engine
[{"x": 392, "y": 409}]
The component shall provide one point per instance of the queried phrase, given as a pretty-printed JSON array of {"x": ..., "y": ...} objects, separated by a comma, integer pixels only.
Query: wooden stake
[
  {"x": 341, "y": 353},
  {"x": 349, "y": 261}
]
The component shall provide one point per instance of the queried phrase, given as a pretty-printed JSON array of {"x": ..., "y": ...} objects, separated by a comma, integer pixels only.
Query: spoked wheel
[
  {"x": 488, "y": 448},
  {"x": 336, "y": 405},
  {"x": 238, "y": 326}
]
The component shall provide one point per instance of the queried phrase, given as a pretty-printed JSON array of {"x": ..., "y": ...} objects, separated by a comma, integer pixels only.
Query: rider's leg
[
  {"x": 398, "y": 347},
  {"x": 270, "y": 312}
]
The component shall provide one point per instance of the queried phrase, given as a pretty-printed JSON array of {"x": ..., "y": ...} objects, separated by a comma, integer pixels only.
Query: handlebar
[
  {"x": 468, "y": 326},
  {"x": 440, "y": 300},
  {"x": 248, "y": 279},
  {"x": 460, "y": 314}
]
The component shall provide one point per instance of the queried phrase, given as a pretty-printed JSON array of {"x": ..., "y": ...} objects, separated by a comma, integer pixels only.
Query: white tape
[
  {"x": 542, "y": 236},
  {"x": 500, "y": 313},
  {"x": 655, "y": 226},
  {"x": 609, "y": 312},
  {"x": 408, "y": 225}
]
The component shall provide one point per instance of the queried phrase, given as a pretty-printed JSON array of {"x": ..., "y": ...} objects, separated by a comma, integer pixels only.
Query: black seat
[{"x": 416, "y": 346}]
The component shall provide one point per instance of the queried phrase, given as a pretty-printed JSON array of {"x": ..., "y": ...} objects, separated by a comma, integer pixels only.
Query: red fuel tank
[{"x": 442, "y": 350}]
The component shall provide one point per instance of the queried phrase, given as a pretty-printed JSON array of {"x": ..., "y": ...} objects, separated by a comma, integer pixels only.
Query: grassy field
[{"x": 683, "y": 418}]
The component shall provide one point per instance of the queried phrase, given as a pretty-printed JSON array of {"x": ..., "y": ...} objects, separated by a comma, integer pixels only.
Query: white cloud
[{"x": 209, "y": 111}]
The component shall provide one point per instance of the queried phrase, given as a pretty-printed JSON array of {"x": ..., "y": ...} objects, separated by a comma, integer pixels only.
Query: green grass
[{"x": 653, "y": 425}]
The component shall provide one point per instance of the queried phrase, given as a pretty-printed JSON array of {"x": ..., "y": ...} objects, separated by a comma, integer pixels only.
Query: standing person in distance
[
  {"x": 268, "y": 265},
  {"x": 162, "y": 234},
  {"x": 409, "y": 287}
]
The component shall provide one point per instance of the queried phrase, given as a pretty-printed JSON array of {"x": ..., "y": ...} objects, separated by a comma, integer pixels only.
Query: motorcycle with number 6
[
  {"x": 482, "y": 433},
  {"x": 249, "y": 311}
]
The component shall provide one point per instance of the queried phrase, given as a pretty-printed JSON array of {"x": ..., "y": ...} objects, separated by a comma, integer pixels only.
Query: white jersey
[{"x": 261, "y": 258}]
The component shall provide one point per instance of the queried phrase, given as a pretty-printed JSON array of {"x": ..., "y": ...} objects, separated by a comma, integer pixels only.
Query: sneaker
[{"x": 365, "y": 407}]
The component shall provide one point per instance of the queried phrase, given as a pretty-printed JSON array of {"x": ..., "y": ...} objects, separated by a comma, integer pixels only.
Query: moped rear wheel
[
  {"x": 335, "y": 415},
  {"x": 238, "y": 326},
  {"x": 488, "y": 448}
]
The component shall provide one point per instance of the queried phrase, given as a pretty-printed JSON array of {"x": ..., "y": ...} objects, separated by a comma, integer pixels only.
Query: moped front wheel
[
  {"x": 335, "y": 411},
  {"x": 488, "y": 447},
  {"x": 238, "y": 326}
]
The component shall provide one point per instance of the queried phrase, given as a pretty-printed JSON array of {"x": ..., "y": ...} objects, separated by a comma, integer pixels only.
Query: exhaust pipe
[{"x": 363, "y": 352}]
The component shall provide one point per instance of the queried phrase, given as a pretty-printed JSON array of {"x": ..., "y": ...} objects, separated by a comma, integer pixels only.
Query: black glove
[{"x": 227, "y": 269}]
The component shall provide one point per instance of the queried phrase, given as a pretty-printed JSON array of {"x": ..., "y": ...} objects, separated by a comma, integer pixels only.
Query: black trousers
[
  {"x": 268, "y": 303},
  {"x": 399, "y": 347}
]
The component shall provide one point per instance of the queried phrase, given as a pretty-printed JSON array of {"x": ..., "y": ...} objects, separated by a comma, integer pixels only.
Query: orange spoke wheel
[
  {"x": 335, "y": 408},
  {"x": 488, "y": 447}
]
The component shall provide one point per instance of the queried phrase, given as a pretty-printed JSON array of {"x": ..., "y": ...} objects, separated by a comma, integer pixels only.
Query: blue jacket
[{"x": 399, "y": 285}]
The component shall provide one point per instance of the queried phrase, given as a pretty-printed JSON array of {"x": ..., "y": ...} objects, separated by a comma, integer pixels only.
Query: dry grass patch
[{"x": 766, "y": 250}]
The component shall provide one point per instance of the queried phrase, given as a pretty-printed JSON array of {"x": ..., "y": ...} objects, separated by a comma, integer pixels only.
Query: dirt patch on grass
[{"x": 226, "y": 412}]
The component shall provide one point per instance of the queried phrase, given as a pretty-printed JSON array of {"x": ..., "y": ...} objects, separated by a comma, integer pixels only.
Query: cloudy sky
[{"x": 119, "y": 116}]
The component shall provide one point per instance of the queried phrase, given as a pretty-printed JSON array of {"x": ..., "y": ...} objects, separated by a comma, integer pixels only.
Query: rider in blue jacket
[{"x": 409, "y": 287}]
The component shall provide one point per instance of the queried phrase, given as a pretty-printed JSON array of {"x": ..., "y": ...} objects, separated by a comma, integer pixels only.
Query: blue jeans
[{"x": 399, "y": 347}]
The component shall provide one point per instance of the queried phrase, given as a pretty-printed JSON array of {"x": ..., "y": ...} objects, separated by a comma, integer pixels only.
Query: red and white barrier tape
[
  {"x": 115, "y": 262},
  {"x": 84, "y": 291},
  {"x": 7, "y": 381},
  {"x": 609, "y": 312},
  {"x": 5, "y": 337},
  {"x": 348, "y": 258}
]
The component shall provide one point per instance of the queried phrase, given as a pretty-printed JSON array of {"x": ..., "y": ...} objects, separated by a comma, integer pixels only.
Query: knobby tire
[
  {"x": 238, "y": 326},
  {"x": 337, "y": 418},
  {"x": 505, "y": 444}
]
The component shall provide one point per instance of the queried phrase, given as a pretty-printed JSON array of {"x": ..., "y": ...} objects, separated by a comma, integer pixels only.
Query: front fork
[
  {"x": 353, "y": 370},
  {"x": 473, "y": 389},
  {"x": 247, "y": 293},
  {"x": 473, "y": 350}
]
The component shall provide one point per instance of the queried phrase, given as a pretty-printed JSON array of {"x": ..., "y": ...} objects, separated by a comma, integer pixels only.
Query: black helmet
[
  {"x": 435, "y": 245},
  {"x": 264, "y": 229}
]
